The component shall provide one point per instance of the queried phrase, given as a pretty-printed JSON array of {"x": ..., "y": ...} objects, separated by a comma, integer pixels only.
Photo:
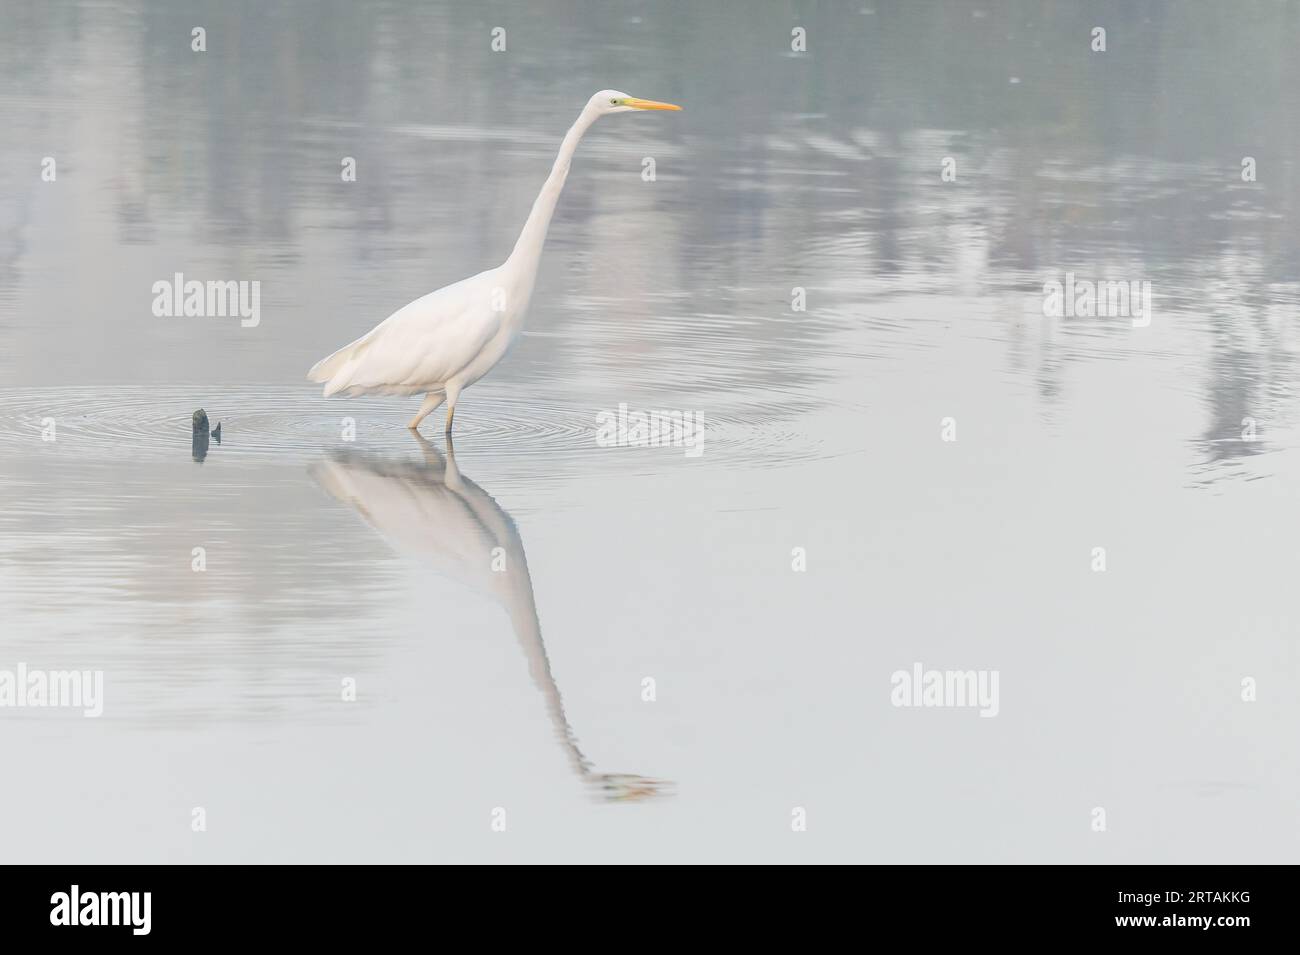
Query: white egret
[{"x": 445, "y": 341}]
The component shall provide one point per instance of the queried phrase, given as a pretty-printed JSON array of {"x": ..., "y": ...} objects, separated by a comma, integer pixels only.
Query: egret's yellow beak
[{"x": 647, "y": 104}]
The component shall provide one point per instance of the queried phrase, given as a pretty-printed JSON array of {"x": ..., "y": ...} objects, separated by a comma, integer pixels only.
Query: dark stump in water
[{"x": 200, "y": 434}]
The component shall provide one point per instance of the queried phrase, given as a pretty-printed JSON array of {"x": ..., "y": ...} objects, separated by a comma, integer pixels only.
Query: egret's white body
[{"x": 443, "y": 342}]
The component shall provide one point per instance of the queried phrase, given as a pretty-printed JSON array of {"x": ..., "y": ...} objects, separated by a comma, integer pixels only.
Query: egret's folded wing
[{"x": 423, "y": 343}]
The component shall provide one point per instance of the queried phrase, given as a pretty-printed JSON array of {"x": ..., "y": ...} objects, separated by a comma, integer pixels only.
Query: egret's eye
[{"x": 613, "y": 102}]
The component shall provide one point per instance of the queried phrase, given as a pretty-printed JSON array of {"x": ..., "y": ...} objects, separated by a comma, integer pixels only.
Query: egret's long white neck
[{"x": 528, "y": 250}]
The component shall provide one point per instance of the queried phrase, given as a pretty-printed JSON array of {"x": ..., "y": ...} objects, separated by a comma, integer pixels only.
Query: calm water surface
[{"x": 371, "y": 559}]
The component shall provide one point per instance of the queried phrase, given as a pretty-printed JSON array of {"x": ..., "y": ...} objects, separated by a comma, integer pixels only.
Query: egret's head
[{"x": 612, "y": 101}]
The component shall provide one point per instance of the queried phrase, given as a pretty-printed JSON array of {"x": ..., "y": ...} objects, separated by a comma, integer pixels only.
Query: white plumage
[
  {"x": 421, "y": 344},
  {"x": 445, "y": 341}
]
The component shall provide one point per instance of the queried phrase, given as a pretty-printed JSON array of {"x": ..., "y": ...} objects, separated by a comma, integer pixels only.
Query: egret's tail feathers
[
  {"x": 324, "y": 369},
  {"x": 328, "y": 369}
]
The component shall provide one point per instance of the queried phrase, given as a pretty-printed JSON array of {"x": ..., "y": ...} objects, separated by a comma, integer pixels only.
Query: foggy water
[{"x": 337, "y": 551}]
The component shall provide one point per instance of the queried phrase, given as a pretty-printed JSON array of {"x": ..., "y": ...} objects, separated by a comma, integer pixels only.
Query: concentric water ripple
[{"x": 297, "y": 425}]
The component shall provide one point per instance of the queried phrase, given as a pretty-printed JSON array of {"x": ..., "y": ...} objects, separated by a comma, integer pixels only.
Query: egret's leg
[
  {"x": 452, "y": 394},
  {"x": 431, "y": 401}
]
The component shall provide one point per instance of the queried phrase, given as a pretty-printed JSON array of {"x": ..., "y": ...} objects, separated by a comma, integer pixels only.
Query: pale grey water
[{"x": 329, "y": 559}]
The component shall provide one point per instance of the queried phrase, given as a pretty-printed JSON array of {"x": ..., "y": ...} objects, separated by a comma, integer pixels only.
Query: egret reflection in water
[{"x": 430, "y": 509}]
